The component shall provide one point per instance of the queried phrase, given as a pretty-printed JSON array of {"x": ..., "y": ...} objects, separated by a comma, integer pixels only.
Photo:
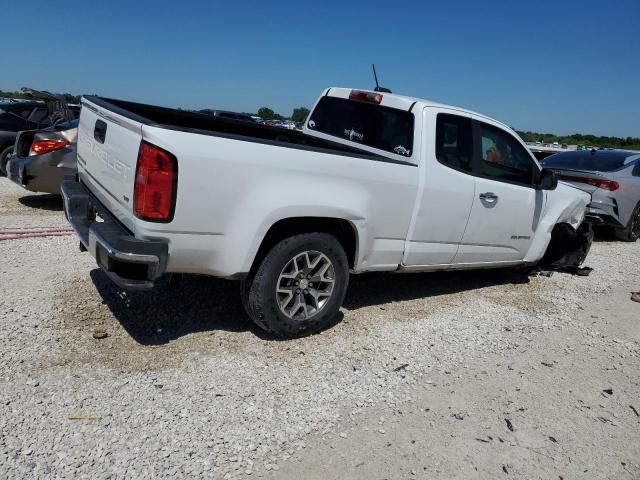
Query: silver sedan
[{"x": 612, "y": 177}]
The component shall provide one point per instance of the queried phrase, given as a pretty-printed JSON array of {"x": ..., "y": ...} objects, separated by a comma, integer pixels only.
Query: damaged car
[
  {"x": 16, "y": 116},
  {"x": 43, "y": 157},
  {"x": 374, "y": 182}
]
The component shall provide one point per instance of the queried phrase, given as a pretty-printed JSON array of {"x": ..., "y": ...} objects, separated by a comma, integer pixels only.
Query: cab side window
[
  {"x": 503, "y": 158},
  {"x": 454, "y": 144},
  {"x": 636, "y": 170}
]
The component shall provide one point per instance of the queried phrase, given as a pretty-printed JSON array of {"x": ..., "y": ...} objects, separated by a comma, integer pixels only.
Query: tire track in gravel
[{"x": 17, "y": 233}]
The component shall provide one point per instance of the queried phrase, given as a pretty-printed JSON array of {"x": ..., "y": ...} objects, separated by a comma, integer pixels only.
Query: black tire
[
  {"x": 4, "y": 158},
  {"x": 631, "y": 232},
  {"x": 258, "y": 292}
]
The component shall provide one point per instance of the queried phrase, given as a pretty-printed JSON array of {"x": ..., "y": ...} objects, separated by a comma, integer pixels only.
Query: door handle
[
  {"x": 489, "y": 196},
  {"x": 100, "y": 131}
]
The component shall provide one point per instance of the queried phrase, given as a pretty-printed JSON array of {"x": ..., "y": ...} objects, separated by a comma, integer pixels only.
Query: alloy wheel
[{"x": 305, "y": 285}]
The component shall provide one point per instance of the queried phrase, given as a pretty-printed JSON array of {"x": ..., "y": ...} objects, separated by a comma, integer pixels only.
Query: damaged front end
[
  {"x": 571, "y": 235},
  {"x": 569, "y": 246}
]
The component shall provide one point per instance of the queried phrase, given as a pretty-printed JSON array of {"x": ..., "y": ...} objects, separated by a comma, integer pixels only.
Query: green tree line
[
  {"x": 299, "y": 114},
  {"x": 631, "y": 143}
]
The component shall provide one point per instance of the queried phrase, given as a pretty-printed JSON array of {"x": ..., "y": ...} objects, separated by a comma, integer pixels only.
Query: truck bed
[{"x": 204, "y": 124}]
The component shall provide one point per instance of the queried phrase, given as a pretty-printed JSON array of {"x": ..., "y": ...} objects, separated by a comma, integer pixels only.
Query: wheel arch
[{"x": 345, "y": 232}]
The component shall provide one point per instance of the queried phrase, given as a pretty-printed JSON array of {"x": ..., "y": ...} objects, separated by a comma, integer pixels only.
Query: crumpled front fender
[{"x": 564, "y": 205}]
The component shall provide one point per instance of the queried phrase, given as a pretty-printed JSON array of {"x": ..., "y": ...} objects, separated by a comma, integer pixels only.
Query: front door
[{"x": 506, "y": 206}]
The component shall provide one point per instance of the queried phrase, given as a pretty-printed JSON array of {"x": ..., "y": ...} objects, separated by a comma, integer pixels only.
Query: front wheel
[
  {"x": 299, "y": 286},
  {"x": 631, "y": 232}
]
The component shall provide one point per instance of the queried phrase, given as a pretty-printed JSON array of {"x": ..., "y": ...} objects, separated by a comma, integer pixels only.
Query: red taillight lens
[
  {"x": 368, "y": 97},
  {"x": 45, "y": 146},
  {"x": 596, "y": 182},
  {"x": 155, "y": 185}
]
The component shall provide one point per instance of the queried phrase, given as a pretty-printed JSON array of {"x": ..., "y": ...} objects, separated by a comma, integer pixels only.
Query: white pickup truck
[{"x": 374, "y": 182}]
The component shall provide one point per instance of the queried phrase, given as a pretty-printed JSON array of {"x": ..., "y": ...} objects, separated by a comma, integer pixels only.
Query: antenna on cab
[{"x": 378, "y": 87}]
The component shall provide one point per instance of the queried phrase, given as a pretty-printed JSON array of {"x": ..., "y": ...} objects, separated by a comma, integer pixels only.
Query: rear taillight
[
  {"x": 155, "y": 186},
  {"x": 363, "y": 96},
  {"x": 45, "y": 146},
  {"x": 596, "y": 182}
]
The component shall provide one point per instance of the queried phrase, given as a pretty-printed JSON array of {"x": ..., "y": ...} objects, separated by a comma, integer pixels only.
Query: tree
[
  {"x": 266, "y": 113},
  {"x": 300, "y": 114},
  {"x": 71, "y": 98}
]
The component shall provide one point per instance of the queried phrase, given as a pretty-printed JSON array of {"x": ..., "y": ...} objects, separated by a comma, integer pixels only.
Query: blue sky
[{"x": 552, "y": 66}]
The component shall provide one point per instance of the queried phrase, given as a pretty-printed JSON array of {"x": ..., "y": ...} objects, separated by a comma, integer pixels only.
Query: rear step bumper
[{"x": 129, "y": 262}]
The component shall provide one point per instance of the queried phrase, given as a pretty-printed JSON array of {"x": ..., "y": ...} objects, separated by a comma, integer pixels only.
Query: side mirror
[{"x": 547, "y": 180}]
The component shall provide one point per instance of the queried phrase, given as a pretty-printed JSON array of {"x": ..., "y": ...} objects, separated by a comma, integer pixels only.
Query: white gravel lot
[{"x": 185, "y": 386}]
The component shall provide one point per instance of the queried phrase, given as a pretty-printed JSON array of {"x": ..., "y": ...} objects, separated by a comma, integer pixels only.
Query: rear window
[
  {"x": 375, "y": 126},
  {"x": 587, "y": 160}
]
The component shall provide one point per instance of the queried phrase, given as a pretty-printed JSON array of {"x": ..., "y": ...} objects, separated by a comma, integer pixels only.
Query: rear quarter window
[{"x": 376, "y": 126}]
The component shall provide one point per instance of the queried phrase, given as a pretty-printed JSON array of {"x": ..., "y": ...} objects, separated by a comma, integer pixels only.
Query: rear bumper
[
  {"x": 36, "y": 173},
  {"x": 129, "y": 262},
  {"x": 603, "y": 214}
]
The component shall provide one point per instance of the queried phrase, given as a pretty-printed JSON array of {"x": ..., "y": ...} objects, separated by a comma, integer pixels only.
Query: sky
[{"x": 559, "y": 66}]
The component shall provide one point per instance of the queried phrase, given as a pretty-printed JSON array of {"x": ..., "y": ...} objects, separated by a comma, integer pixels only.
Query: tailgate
[{"x": 108, "y": 145}]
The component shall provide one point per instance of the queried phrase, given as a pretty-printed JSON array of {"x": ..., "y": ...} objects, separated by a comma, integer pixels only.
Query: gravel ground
[{"x": 416, "y": 381}]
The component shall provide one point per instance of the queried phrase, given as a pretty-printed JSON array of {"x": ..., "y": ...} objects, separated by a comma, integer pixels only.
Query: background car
[
  {"x": 42, "y": 158},
  {"x": 16, "y": 116},
  {"x": 225, "y": 114},
  {"x": 612, "y": 177}
]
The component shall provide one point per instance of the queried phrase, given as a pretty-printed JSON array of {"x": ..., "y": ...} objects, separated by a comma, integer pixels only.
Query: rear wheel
[
  {"x": 4, "y": 158},
  {"x": 632, "y": 231},
  {"x": 299, "y": 286}
]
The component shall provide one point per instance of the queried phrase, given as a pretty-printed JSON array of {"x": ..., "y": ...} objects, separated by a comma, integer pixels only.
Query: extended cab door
[
  {"x": 506, "y": 206},
  {"x": 448, "y": 189}
]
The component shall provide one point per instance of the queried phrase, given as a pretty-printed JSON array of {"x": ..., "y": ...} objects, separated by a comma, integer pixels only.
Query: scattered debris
[
  {"x": 608, "y": 391},
  {"x": 634, "y": 410},
  {"x": 543, "y": 273},
  {"x": 547, "y": 364},
  {"x": 84, "y": 417},
  {"x": 509, "y": 424},
  {"x": 553, "y": 439},
  {"x": 483, "y": 440},
  {"x": 459, "y": 415},
  {"x": 583, "y": 272},
  {"x": 100, "y": 334},
  {"x": 401, "y": 367},
  {"x": 504, "y": 469}
]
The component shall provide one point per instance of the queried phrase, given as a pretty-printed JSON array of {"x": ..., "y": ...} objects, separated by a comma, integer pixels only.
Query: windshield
[
  {"x": 598, "y": 161},
  {"x": 384, "y": 128}
]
